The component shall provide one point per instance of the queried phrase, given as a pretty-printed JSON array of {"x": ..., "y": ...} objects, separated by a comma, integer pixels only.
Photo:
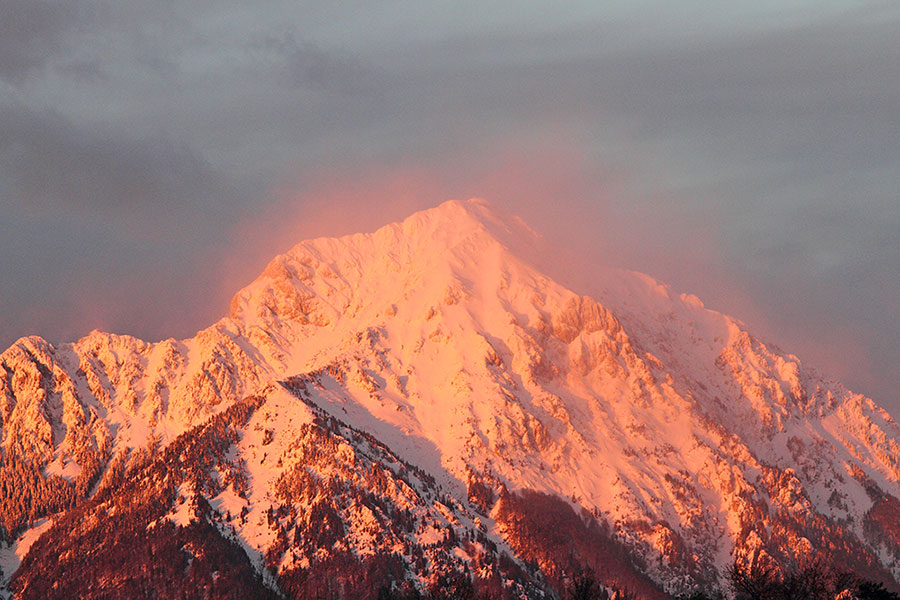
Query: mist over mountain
[{"x": 429, "y": 409}]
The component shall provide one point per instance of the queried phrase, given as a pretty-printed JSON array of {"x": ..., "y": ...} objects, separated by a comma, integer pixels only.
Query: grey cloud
[
  {"x": 307, "y": 64},
  {"x": 90, "y": 71},
  {"x": 32, "y": 32},
  {"x": 49, "y": 162}
]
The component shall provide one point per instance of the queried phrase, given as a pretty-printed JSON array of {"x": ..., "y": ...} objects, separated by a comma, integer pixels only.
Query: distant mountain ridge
[{"x": 461, "y": 393}]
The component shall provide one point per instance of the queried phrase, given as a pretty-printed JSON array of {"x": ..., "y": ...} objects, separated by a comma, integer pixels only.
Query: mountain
[{"x": 426, "y": 408}]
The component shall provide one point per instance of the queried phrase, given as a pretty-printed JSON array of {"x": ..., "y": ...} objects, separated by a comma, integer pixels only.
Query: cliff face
[{"x": 411, "y": 395}]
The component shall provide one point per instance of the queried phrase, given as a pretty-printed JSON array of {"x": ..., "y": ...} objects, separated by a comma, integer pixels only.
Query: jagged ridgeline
[{"x": 424, "y": 411}]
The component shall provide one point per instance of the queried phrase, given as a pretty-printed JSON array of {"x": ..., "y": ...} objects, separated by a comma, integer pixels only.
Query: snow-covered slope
[{"x": 441, "y": 337}]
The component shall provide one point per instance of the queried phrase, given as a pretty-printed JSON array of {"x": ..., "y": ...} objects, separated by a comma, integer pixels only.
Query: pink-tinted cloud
[{"x": 590, "y": 216}]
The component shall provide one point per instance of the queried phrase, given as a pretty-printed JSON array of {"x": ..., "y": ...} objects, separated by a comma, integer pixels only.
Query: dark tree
[
  {"x": 816, "y": 580},
  {"x": 870, "y": 590},
  {"x": 584, "y": 586},
  {"x": 452, "y": 586},
  {"x": 758, "y": 582}
]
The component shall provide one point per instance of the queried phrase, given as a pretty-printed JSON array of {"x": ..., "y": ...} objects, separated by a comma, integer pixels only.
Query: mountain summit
[{"x": 423, "y": 405}]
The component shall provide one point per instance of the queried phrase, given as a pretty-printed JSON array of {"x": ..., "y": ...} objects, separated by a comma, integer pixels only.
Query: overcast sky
[{"x": 154, "y": 156}]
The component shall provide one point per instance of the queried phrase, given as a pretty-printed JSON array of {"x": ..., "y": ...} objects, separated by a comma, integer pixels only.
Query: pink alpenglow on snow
[{"x": 403, "y": 398}]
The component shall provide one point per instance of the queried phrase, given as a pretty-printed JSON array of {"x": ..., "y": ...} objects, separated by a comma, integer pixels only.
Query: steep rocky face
[
  {"x": 66, "y": 411},
  {"x": 341, "y": 516},
  {"x": 672, "y": 431}
]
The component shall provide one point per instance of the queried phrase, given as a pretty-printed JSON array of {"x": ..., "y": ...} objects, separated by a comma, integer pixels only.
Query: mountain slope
[{"x": 679, "y": 438}]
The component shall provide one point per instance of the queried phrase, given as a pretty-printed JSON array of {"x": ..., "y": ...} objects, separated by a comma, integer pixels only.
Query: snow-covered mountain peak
[
  {"x": 446, "y": 339},
  {"x": 447, "y": 251},
  {"x": 440, "y": 329}
]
